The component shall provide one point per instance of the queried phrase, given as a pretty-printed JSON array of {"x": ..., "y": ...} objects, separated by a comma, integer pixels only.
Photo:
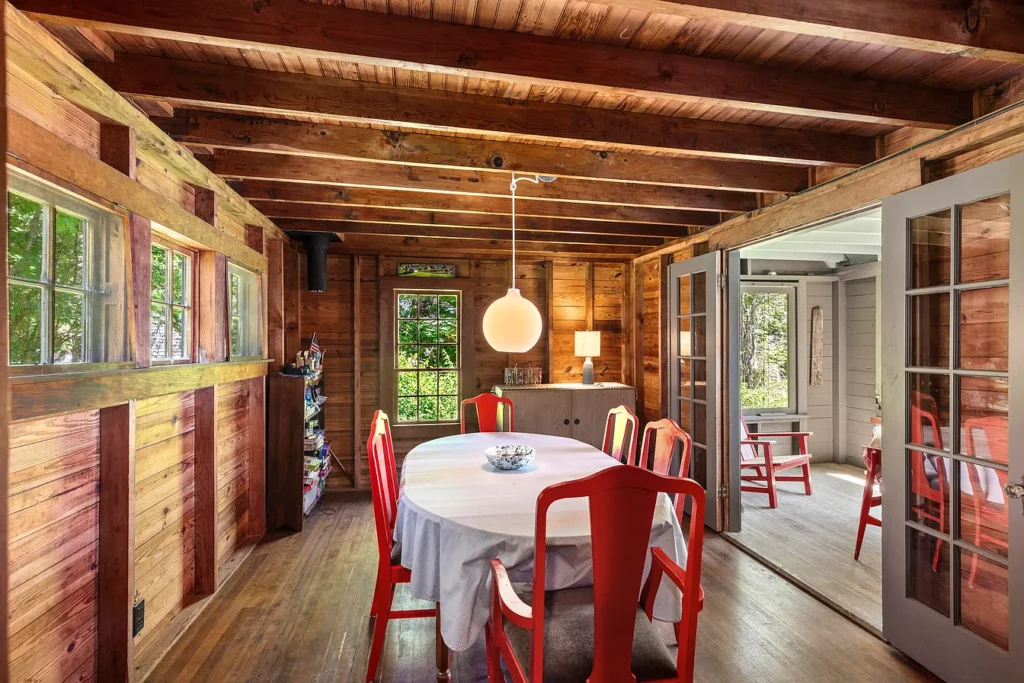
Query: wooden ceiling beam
[
  {"x": 428, "y": 219},
  {"x": 425, "y": 109},
  {"x": 256, "y": 133},
  {"x": 988, "y": 29},
  {"x": 464, "y": 232},
  {"x": 446, "y": 247},
  {"x": 314, "y": 30},
  {"x": 319, "y": 195},
  {"x": 345, "y": 173}
]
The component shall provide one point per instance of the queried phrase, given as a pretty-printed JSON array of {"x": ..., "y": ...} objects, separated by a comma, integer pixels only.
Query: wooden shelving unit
[{"x": 296, "y": 449}]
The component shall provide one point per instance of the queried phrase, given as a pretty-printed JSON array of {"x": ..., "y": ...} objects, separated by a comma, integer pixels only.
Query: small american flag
[{"x": 313, "y": 346}]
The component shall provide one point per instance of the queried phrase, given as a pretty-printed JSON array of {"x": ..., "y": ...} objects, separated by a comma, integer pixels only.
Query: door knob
[
  {"x": 1014, "y": 490},
  {"x": 566, "y": 421},
  {"x": 576, "y": 421}
]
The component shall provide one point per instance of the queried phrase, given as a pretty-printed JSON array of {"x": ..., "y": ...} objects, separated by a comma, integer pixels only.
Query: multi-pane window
[
  {"x": 66, "y": 273},
  {"x": 244, "y": 309},
  {"x": 427, "y": 358},
  {"x": 767, "y": 349},
  {"x": 170, "y": 321}
]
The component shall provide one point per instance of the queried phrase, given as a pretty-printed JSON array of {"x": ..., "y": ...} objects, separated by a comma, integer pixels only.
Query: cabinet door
[
  {"x": 539, "y": 411},
  {"x": 590, "y": 413}
]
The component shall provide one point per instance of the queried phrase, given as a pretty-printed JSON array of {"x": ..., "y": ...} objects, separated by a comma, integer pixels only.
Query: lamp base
[{"x": 588, "y": 371}]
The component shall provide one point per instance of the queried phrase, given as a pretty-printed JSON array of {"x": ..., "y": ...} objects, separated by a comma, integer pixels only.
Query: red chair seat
[
  {"x": 781, "y": 462},
  {"x": 569, "y": 639}
]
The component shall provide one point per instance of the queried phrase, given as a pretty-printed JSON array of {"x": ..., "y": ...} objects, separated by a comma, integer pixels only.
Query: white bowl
[{"x": 510, "y": 456}]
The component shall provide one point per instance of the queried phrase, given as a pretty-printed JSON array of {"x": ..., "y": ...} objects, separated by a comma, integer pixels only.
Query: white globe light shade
[{"x": 512, "y": 324}]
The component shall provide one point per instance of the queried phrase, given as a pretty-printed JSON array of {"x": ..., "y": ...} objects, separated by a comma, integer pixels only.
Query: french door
[
  {"x": 694, "y": 305},
  {"x": 953, "y": 423}
]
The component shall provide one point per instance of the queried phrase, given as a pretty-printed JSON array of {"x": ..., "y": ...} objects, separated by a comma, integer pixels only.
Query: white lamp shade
[
  {"x": 512, "y": 324},
  {"x": 588, "y": 344}
]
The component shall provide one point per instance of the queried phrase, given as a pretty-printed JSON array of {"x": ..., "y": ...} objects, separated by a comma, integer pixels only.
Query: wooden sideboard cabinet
[{"x": 578, "y": 411}]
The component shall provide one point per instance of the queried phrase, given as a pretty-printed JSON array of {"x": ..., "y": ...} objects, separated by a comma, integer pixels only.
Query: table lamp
[{"x": 588, "y": 345}]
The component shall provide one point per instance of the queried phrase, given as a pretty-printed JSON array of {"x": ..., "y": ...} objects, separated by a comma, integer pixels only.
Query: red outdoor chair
[
  {"x": 390, "y": 573},
  {"x": 989, "y": 517},
  {"x": 489, "y": 413},
  {"x": 757, "y": 455},
  {"x": 620, "y": 432},
  {"x": 873, "y": 463},
  {"x": 602, "y": 634},
  {"x": 663, "y": 435}
]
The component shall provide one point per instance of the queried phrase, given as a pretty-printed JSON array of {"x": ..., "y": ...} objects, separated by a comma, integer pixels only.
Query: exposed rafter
[
  {"x": 269, "y": 196},
  {"x": 346, "y": 173},
  {"x": 273, "y": 91},
  {"x": 319, "y": 31},
  {"x": 990, "y": 29},
  {"x": 256, "y": 133}
]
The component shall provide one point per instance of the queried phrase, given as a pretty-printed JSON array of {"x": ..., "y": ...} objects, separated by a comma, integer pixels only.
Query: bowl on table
[{"x": 510, "y": 456}]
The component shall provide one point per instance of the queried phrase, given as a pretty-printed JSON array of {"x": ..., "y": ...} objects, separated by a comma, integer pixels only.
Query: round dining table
[{"x": 456, "y": 512}]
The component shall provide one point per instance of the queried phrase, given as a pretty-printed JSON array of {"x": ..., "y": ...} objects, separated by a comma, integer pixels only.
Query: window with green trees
[
  {"x": 766, "y": 349},
  {"x": 427, "y": 356},
  {"x": 65, "y": 270},
  {"x": 170, "y": 313}
]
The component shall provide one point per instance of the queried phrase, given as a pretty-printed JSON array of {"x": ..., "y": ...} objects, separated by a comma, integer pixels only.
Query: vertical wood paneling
[{"x": 53, "y": 551}]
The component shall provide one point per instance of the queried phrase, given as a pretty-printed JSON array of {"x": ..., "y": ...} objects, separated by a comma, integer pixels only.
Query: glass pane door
[
  {"x": 693, "y": 366},
  {"x": 952, "y": 533}
]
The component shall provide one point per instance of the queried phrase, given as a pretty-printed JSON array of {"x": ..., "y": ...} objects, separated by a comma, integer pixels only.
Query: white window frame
[{"x": 794, "y": 342}]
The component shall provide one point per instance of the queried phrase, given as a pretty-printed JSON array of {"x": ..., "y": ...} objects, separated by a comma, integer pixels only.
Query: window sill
[
  {"x": 82, "y": 371},
  {"x": 41, "y": 372}
]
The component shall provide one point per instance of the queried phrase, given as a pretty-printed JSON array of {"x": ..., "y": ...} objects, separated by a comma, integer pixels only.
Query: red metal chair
[
  {"x": 873, "y": 463},
  {"x": 489, "y": 413},
  {"x": 988, "y": 516},
  {"x": 767, "y": 465},
  {"x": 663, "y": 435},
  {"x": 602, "y": 634},
  {"x": 620, "y": 432},
  {"x": 384, "y": 487}
]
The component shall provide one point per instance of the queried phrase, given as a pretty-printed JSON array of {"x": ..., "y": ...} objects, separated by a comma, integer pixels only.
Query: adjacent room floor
[
  {"x": 812, "y": 539},
  {"x": 296, "y": 610}
]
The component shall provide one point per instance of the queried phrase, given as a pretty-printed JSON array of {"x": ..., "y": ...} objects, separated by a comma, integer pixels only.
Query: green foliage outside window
[
  {"x": 764, "y": 350},
  {"x": 427, "y": 357}
]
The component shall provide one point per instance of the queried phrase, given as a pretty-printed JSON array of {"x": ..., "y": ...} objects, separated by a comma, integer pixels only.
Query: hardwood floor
[
  {"x": 812, "y": 538},
  {"x": 297, "y": 611}
]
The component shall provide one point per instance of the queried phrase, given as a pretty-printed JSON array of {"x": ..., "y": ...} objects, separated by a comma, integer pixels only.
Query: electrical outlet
[{"x": 138, "y": 617}]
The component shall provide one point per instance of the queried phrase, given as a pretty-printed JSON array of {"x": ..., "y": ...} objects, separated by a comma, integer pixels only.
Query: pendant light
[{"x": 513, "y": 324}]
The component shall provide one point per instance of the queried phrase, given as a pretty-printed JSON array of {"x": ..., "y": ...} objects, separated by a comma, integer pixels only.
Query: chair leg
[
  {"x": 937, "y": 556},
  {"x": 807, "y": 478},
  {"x": 494, "y": 674},
  {"x": 865, "y": 510},
  {"x": 379, "y": 589},
  {"x": 773, "y": 495},
  {"x": 380, "y": 627}
]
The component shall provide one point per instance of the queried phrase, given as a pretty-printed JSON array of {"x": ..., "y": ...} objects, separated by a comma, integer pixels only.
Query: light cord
[{"x": 513, "y": 186}]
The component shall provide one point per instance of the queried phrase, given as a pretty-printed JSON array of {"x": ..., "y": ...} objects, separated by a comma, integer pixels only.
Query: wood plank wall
[
  {"x": 861, "y": 367},
  {"x": 54, "y": 499},
  {"x": 164, "y": 509},
  {"x": 330, "y": 315},
  {"x": 54, "y": 547}
]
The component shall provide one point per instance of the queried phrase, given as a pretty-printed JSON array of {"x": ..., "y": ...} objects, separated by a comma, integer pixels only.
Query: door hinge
[
  {"x": 723, "y": 281},
  {"x": 723, "y": 491}
]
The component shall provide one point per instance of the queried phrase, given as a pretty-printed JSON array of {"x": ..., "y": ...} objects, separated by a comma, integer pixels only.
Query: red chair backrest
[
  {"x": 924, "y": 413},
  {"x": 620, "y": 434},
  {"x": 663, "y": 435},
  {"x": 383, "y": 482},
  {"x": 747, "y": 452},
  {"x": 997, "y": 437},
  {"x": 622, "y": 505},
  {"x": 489, "y": 413}
]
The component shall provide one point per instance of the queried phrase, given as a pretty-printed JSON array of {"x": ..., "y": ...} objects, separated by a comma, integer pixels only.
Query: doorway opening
[{"x": 808, "y": 395}]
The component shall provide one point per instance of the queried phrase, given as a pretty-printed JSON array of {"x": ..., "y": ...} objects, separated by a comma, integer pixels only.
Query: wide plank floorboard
[
  {"x": 812, "y": 539},
  {"x": 297, "y": 611}
]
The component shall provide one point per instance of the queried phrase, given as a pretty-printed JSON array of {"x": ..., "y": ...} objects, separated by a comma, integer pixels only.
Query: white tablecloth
[{"x": 456, "y": 513}]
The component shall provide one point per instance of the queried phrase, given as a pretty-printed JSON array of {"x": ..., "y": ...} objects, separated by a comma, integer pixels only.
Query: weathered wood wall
[
  {"x": 57, "y": 628},
  {"x": 565, "y": 292}
]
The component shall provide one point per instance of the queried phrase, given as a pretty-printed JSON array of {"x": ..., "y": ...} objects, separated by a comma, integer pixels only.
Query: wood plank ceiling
[{"x": 404, "y": 118}]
